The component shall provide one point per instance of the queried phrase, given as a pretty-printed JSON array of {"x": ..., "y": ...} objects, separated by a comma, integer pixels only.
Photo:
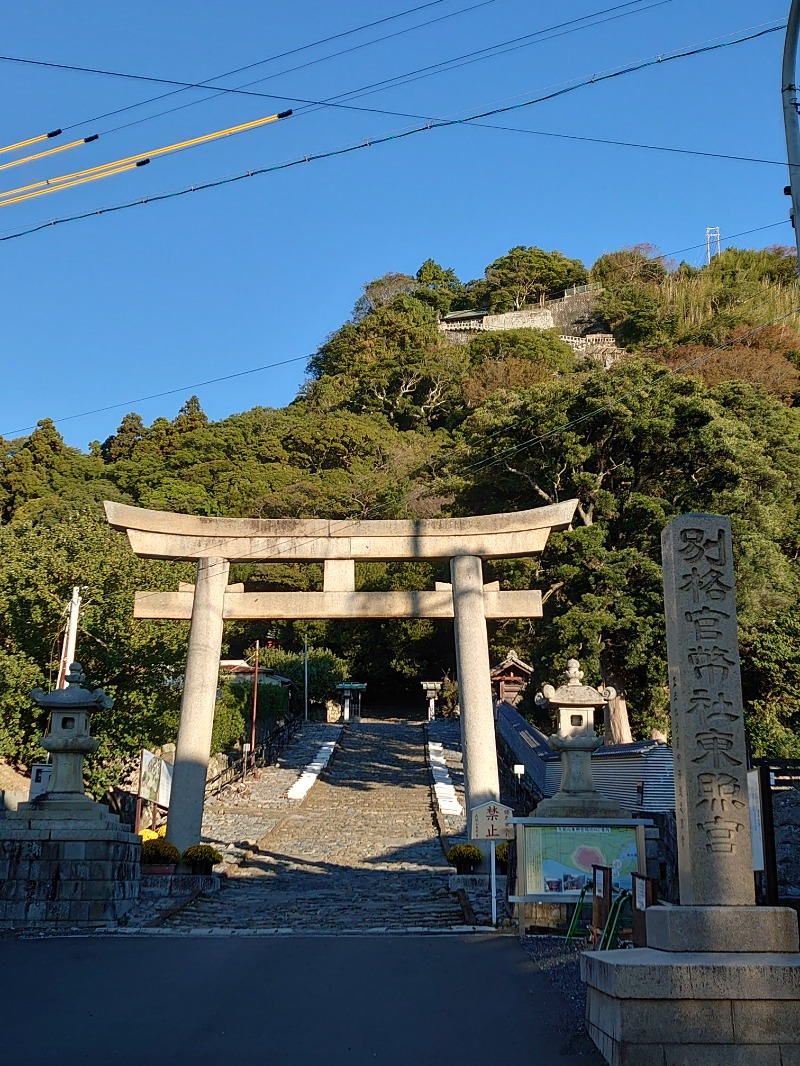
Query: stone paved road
[{"x": 361, "y": 851}]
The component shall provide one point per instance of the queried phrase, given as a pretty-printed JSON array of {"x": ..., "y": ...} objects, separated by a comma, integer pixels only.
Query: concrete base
[
  {"x": 740, "y": 929},
  {"x": 66, "y": 864},
  {"x": 657, "y": 1008}
]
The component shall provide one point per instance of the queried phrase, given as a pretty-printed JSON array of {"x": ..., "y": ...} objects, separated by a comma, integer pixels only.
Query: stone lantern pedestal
[{"x": 66, "y": 861}]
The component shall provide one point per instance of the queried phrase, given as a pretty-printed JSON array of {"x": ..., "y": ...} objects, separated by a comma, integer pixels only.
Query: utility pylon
[{"x": 713, "y": 242}]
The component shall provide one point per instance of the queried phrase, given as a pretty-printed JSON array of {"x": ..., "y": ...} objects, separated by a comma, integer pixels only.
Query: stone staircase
[{"x": 360, "y": 853}]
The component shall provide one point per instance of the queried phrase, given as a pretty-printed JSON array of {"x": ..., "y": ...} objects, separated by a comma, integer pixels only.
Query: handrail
[
  {"x": 576, "y": 914},
  {"x": 613, "y": 920}
]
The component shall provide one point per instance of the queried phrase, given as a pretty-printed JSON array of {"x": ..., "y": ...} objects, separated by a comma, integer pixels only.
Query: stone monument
[
  {"x": 576, "y": 739},
  {"x": 719, "y": 982},
  {"x": 64, "y": 859}
]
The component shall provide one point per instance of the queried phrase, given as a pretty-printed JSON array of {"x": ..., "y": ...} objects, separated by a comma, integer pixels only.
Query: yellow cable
[
  {"x": 68, "y": 185},
  {"x": 24, "y": 144},
  {"x": 65, "y": 180},
  {"x": 39, "y": 155}
]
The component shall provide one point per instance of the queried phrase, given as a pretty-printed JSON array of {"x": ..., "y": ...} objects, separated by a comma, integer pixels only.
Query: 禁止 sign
[{"x": 491, "y": 821}]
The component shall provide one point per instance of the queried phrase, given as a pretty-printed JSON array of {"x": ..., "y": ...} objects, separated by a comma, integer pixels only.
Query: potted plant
[
  {"x": 159, "y": 856},
  {"x": 465, "y": 857},
  {"x": 201, "y": 858}
]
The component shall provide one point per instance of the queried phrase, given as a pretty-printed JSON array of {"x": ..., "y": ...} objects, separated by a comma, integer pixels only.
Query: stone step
[{"x": 360, "y": 851}]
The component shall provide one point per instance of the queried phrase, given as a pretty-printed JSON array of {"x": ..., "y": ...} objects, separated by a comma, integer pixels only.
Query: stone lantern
[
  {"x": 432, "y": 690},
  {"x": 576, "y": 704},
  {"x": 69, "y": 740},
  {"x": 68, "y": 861}
]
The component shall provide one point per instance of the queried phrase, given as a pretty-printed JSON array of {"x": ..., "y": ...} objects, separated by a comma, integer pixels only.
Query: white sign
[
  {"x": 40, "y": 778},
  {"x": 756, "y": 828},
  {"x": 491, "y": 821},
  {"x": 165, "y": 784},
  {"x": 641, "y": 893},
  {"x": 599, "y": 882}
]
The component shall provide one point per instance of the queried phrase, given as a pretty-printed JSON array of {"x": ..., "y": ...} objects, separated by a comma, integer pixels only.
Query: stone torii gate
[{"x": 216, "y": 542}]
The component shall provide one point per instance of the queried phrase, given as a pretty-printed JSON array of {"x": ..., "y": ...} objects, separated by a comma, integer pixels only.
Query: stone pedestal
[
  {"x": 66, "y": 865},
  {"x": 659, "y": 1008}
]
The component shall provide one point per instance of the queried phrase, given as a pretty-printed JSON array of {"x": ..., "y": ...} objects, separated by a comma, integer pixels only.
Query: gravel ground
[{"x": 561, "y": 962}]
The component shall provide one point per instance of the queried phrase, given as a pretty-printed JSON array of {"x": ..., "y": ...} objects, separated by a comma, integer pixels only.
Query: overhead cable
[
  {"x": 398, "y": 135},
  {"x": 118, "y": 166}
]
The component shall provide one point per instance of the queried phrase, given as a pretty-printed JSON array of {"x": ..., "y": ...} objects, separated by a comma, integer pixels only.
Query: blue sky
[{"x": 160, "y": 296}]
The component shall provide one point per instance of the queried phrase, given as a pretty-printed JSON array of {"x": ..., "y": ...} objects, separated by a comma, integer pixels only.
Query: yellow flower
[
  {"x": 148, "y": 834},
  {"x": 162, "y": 830}
]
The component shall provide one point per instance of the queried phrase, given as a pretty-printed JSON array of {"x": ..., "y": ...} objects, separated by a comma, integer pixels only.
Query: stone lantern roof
[
  {"x": 74, "y": 696},
  {"x": 574, "y": 693}
]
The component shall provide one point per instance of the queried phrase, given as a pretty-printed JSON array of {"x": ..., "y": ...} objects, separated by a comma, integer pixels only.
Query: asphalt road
[{"x": 393, "y": 1001}]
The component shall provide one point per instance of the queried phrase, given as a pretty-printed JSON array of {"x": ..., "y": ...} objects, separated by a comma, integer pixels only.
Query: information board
[{"x": 556, "y": 857}]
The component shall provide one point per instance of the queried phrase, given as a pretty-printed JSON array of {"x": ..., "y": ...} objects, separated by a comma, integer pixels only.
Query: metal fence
[{"x": 264, "y": 755}]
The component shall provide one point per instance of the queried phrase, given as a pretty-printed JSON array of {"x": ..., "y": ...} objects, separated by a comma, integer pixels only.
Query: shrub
[
  {"x": 159, "y": 851},
  {"x": 501, "y": 852},
  {"x": 201, "y": 853},
  {"x": 464, "y": 855}
]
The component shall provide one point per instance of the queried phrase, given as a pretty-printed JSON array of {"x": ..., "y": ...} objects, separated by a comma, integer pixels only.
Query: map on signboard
[{"x": 559, "y": 858}]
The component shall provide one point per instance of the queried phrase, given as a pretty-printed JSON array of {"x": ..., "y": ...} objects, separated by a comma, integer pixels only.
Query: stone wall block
[
  {"x": 55, "y": 910},
  {"x": 97, "y": 849},
  {"x": 102, "y": 870},
  {"x": 707, "y": 1055},
  {"x": 79, "y": 912},
  {"x": 73, "y": 849},
  {"x": 70, "y": 890},
  {"x": 35, "y": 912},
  {"x": 765, "y": 1021}
]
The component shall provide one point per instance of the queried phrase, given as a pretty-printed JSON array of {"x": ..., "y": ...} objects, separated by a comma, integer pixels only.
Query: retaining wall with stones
[{"x": 73, "y": 871}]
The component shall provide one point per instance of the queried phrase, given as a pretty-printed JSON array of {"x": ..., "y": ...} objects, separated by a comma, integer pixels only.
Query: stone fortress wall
[{"x": 573, "y": 315}]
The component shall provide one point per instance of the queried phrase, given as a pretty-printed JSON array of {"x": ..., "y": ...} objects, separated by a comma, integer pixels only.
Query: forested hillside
[{"x": 698, "y": 414}]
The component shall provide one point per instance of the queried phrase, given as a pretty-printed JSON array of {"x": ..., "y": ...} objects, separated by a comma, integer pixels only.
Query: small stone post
[
  {"x": 192, "y": 752},
  {"x": 481, "y": 777}
]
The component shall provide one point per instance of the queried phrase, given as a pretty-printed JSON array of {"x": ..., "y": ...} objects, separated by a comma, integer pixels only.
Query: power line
[
  {"x": 184, "y": 86},
  {"x": 298, "y": 358},
  {"x": 9, "y": 434},
  {"x": 596, "y": 79},
  {"x": 422, "y": 72}
]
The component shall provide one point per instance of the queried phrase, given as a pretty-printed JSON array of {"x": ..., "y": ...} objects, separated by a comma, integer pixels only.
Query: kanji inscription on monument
[{"x": 708, "y": 736}]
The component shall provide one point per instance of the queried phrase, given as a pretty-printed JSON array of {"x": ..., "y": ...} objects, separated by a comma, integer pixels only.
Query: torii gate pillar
[
  {"x": 481, "y": 779},
  {"x": 197, "y": 704}
]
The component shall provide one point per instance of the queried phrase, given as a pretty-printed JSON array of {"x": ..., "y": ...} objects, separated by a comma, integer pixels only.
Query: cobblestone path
[{"x": 360, "y": 852}]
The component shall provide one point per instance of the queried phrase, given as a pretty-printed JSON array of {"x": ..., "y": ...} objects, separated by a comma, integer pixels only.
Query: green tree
[{"x": 525, "y": 275}]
